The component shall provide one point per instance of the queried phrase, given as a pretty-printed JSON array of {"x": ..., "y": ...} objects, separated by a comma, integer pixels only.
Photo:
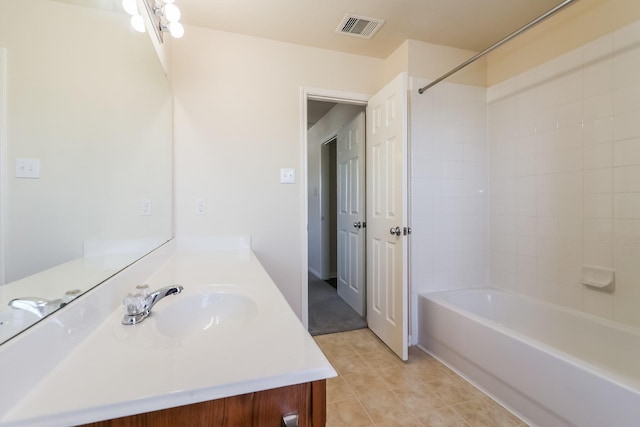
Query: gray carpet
[{"x": 328, "y": 313}]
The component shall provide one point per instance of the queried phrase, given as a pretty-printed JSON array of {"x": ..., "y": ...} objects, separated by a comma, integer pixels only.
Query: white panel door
[
  {"x": 351, "y": 213},
  {"x": 387, "y": 277}
]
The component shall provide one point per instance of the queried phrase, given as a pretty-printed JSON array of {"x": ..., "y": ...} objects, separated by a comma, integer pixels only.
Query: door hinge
[{"x": 406, "y": 231}]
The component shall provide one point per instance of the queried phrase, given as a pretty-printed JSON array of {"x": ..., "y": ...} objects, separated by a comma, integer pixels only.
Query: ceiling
[
  {"x": 465, "y": 24},
  {"x": 317, "y": 110}
]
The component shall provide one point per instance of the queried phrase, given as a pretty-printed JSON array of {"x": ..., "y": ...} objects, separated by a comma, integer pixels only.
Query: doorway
[
  {"x": 333, "y": 240},
  {"x": 387, "y": 222}
]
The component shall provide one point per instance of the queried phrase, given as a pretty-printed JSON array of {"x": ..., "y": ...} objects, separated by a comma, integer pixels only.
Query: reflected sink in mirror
[
  {"x": 15, "y": 321},
  {"x": 199, "y": 312}
]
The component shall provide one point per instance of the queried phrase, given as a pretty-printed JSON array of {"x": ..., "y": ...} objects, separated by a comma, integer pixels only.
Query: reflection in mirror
[{"x": 87, "y": 102}]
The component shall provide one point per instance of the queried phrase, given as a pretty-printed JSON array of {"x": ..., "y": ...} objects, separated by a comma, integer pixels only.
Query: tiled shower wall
[
  {"x": 448, "y": 188},
  {"x": 564, "y": 177}
]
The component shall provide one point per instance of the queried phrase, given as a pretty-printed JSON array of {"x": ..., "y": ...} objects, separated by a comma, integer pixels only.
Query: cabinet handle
[{"x": 290, "y": 420}]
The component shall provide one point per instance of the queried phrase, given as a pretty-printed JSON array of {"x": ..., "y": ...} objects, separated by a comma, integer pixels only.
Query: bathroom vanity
[
  {"x": 305, "y": 403},
  {"x": 227, "y": 350}
]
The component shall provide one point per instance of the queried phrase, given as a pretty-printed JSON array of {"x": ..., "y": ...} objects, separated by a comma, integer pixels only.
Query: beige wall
[
  {"x": 430, "y": 61},
  {"x": 397, "y": 62},
  {"x": 237, "y": 122},
  {"x": 583, "y": 21}
]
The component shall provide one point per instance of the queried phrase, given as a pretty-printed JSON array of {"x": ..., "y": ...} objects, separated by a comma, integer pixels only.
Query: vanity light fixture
[
  {"x": 176, "y": 29},
  {"x": 164, "y": 15},
  {"x": 137, "y": 22},
  {"x": 168, "y": 16},
  {"x": 130, "y": 7}
]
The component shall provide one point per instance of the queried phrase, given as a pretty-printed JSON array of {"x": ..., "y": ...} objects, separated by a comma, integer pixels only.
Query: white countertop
[{"x": 119, "y": 370}]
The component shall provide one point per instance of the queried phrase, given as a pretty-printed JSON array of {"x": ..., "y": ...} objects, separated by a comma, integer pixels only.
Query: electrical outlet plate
[
  {"x": 201, "y": 207},
  {"x": 145, "y": 207}
]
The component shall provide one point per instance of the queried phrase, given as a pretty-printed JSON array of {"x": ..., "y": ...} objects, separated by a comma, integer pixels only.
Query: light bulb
[
  {"x": 171, "y": 12},
  {"x": 130, "y": 7},
  {"x": 176, "y": 30},
  {"x": 138, "y": 23}
]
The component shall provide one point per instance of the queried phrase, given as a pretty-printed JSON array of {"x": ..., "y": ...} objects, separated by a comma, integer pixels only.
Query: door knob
[
  {"x": 395, "y": 231},
  {"x": 357, "y": 224}
]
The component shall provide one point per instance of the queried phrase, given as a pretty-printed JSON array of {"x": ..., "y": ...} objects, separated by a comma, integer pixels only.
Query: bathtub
[{"x": 549, "y": 365}]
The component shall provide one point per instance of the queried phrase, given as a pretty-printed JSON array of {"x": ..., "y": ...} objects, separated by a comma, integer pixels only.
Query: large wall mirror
[{"x": 86, "y": 153}]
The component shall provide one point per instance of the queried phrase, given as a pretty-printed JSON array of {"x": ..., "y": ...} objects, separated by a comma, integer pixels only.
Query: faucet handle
[
  {"x": 142, "y": 290},
  {"x": 136, "y": 302}
]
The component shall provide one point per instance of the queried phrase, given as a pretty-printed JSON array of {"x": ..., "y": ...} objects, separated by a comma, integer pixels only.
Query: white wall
[
  {"x": 238, "y": 121},
  {"x": 448, "y": 188},
  {"x": 564, "y": 176},
  {"x": 448, "y": 173},
  {"x": 321, "y": 132}
]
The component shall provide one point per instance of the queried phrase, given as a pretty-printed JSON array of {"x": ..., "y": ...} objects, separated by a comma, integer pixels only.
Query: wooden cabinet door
[{"x": 259, "y": 409}]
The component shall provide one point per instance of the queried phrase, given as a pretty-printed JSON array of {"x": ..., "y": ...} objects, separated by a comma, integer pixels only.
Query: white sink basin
[
  {"x": 199, "y": 311},
  {"x": 204, "y": 310}
]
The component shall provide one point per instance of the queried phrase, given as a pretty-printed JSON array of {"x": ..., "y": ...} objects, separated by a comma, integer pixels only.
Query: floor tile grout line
[{"x": 365, "y": 411}]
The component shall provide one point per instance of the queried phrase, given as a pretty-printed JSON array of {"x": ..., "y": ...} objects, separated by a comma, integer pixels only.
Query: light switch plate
[
  {"x": 27, "y": 168},
  {"x": 287, "y": 176}
]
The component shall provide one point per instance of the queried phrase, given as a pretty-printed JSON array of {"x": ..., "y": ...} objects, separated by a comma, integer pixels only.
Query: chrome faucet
[
  {"x": 42, "y": 307},
  {"x": 38, "y": 306},
  {"x": 138, "y": 307}
]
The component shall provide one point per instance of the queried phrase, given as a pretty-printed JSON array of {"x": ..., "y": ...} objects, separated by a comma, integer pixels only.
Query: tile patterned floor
[{"x": 375, "y": 388}]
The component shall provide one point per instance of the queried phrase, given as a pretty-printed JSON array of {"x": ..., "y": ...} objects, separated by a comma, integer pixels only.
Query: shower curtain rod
[{"x": 498, "y": 44}]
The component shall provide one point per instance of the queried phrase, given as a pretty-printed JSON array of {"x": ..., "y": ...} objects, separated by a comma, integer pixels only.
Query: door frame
[{"x": 314, "y": 94}]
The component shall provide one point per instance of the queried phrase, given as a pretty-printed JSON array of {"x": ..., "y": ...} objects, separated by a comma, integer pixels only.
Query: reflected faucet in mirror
[
  {"x": 42, "y": 307},
  {"x": 138, "y": 306}
]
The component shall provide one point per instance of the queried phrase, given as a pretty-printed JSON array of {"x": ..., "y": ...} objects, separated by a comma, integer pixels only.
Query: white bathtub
[{"x": 549, "y": 365}]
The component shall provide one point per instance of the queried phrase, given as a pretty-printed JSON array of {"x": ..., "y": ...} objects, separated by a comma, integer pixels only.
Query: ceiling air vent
[{"x": 359, "y": 26}]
